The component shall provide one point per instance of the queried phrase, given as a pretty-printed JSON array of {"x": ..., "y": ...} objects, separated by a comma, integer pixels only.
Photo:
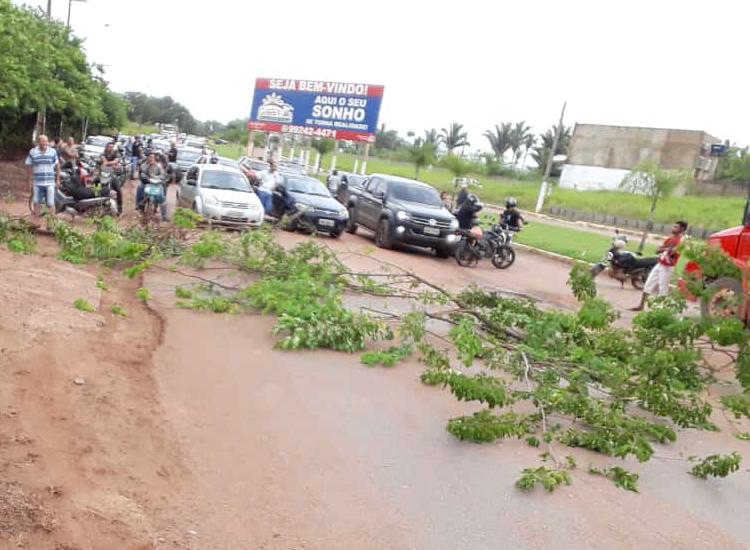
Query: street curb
[
  {"x": 583, "y": 224},
  {"x": 547, "y": 254}
]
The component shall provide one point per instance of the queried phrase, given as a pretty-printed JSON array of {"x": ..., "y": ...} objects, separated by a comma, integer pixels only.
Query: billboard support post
[
  {"x": 250, "y": 149},
  {"x": 335, "y": 152},
  {"x": 317, "y": 162},
  {"x": 356, "y": 165},
  {"x": 364, "y": 159}
]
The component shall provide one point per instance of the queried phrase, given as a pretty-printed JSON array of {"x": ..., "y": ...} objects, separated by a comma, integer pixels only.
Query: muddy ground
[{"x": 172, "y": 429}]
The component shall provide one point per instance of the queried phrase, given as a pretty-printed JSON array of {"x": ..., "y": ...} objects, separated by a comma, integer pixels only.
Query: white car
[
  {"x": 94, "y": 146},
  {"x": 222, "y": 195}
]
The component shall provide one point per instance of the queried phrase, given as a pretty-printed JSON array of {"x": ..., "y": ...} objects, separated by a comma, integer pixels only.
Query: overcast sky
[{"x": 660, "y": 63}]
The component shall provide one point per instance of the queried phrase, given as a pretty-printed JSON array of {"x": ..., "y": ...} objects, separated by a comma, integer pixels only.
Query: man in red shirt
[{"x": 658, "y": 280}]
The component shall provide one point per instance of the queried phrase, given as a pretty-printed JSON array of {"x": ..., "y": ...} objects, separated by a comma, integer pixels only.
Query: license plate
[
  {"x": 431, "y": 231},
  {"x": 325, "y": 223},
  {"x": 234, "y": 214}
]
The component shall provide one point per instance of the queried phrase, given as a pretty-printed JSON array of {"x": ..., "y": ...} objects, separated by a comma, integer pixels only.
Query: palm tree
[
  {"x": 518, "y": 137},
  {"x": 421, "y": 154},
  {"x": 454, "y": 137},
  {"x": 431, "y": 136},
  {"x": 456, "y": 165},
  {"x": 528, "y": 145},
  {"x": 541, "y": 152},
  {"x": 500, "y": 139}
]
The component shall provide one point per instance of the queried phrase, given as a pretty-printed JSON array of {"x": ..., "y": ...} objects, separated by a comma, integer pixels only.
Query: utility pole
[
  {"x": 49, "y": 9},
  {"x": 548, "y": 169}
]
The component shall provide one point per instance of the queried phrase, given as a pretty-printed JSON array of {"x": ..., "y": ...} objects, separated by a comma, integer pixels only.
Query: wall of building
[
  {"x": 623, "y": 147},
  {"x": 591, "y": 178}
]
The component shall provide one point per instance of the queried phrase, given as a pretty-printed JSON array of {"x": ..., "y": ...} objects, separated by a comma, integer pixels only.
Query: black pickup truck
[{"x": 402, "y": 210}]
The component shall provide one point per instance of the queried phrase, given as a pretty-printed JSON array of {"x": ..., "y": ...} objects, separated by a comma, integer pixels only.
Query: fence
[{"x": 619, "y": 221}]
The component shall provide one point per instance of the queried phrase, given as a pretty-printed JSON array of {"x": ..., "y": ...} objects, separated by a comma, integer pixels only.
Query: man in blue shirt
[{"x": 43, "y": 169}]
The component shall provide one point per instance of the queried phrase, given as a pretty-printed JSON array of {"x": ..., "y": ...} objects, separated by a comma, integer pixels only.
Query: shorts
[
  {"x": 44, "y": 193},
  {"x": 657, "y": 283}
]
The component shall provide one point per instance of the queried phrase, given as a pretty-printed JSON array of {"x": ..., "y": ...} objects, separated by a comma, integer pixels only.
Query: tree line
[{"x": 47, "y": 82}]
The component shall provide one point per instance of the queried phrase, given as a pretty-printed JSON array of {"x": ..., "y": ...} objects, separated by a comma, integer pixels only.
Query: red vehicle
[{"x": 727, "y": 296}]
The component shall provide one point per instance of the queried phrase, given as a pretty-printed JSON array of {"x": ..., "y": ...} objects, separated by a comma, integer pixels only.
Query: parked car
[
  {"x": 224, "y": 161},
  {"x": 221, "y": 194},
  {"x": 292, "y": 169},
  {"x": 404, "y": 211},
  {"x": 307, "y": 204},
  {"x": 186, "y": 158},
  {"x": 94, "y": 146},
  {"x": 194, "y": 142},
  {"x": 349, "y": 181}
]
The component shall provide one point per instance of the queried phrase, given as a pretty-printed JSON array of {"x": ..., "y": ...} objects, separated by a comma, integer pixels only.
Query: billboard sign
[{"x": 335, "y": 110}]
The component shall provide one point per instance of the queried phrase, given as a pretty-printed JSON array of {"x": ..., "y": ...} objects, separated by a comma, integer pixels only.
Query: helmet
[
  {"x": 619, "y": 244},
  {"x": 214, "y": 159},
  {"x": 511, "y": 202},
  {"x": 472, "y": 199}
]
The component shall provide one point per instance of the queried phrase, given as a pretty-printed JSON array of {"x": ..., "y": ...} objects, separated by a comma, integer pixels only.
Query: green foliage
[
  {"x": 82, "y": 305},
  {"x": 143, "y": 294},
  {"x": 454, "y": 137},
  {"x": 738, "y": 404},
  {"x": 549, "y": 478},
  {"x": 597, "y": 314},
  {"x": 119, "y": 310},
  {"x": 619, "y": 476},
  {"x": 183, "y": 293},
  {"x": 485, "y": 427},
  {"x": 581, "y": 283},
  {"x": 18, "y": 238},
  {"x": 186, "y": 218},
  {"x": 717, "y": 466},
  {"x": 421, "y": 155},
  {"x": 101, "y": 284},
  {"x": 468, "y": 342},
  {"x": 455, "y": 165},
  {"x": 387, "y": 358},
  {"x": 210, "y": 246}
]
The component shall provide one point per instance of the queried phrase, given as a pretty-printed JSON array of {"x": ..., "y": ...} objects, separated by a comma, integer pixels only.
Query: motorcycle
[
  {"x": 624, "y": 265},
  {"x": 76, "y": 199},
  {"x": 475, "y": 244},
  {"x": 154, "y": 199}
]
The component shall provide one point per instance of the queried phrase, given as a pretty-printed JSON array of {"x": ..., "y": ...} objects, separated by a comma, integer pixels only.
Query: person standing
[
  {"x": 136, "y": 152},
  {"x": 110, "y": 161},
  {"x": 334, "y": 180},
  {"x": 69, "y": 152},
  {"x": 657, "y": 282},
  {"x": 268, "y": 180},
  {"x": 43, "y": 170}
]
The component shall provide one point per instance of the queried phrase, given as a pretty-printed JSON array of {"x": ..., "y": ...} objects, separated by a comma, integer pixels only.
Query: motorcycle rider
[
  {"x": 511, "y": 217},
  {"x": 658, "y": 280},
  {"x": 110, "y": 160},
  {"x": 136, "y": 151},
  {"x": 463, "y": 194},
  {"x": 467, "y": 212},
  {"x": 152, "y": 169}
]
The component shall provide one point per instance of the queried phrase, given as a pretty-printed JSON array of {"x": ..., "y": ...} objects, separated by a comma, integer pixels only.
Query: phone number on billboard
[{"x": 305, "y": 131}]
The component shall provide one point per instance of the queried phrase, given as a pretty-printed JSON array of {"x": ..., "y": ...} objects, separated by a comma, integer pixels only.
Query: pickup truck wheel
[
  {"x": 351, "y": 226},
  {"x": 722, "y": 299},
  {"x": 383, "y": 234}
]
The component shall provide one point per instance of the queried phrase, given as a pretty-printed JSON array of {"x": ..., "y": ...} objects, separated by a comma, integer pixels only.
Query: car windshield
[
  {"x": 196, "y": 144},
  {"x": 415, "y": 193},
  {"x": 306, "y": 186},
  {"x": 97, "y": 142},
  {"x": 219, "y": 179},
  {"x": 354, "y": 180},
  {"x": 190, "y": 156}
]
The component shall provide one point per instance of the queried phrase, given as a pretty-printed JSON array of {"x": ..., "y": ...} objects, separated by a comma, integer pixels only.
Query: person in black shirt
[
  {"x": 463, "y": 194},
  {"x": 511, "y": 216},
  {"x": 467, "y": 212},
  {"x": 137, "y": 153},
  {"x": 110, "y": 160},
  {"x": 172, "y": 153}
]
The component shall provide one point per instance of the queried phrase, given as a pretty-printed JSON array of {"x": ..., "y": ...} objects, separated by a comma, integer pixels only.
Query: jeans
[
  {"x": 133, "y": 166},
  {"x": 266, "y": 199}
]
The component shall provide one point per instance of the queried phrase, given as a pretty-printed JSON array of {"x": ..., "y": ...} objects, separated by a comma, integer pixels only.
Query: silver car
[{"x": 221, "y": 194}]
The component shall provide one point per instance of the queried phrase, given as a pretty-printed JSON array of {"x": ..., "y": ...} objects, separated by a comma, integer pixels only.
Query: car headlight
[
  {"x": 454, "y": 223},
  {"x": 402, "y": 216},
  {"x": 344, "y": 213},
  {"x": 210, "y": 199}
]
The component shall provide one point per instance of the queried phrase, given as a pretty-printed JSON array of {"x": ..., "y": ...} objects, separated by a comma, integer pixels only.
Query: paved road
[{"x": 312, "y": 450}]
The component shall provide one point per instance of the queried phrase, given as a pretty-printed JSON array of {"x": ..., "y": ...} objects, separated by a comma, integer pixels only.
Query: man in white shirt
[
  {"x": 269, "y": 179},
  {"x": 334, "y": 180}
]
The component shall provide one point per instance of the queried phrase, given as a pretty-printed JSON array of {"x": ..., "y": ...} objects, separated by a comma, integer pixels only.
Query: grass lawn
[
  {"x": 714, "y": 212},
  {"x": 573, "y": 243}
]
